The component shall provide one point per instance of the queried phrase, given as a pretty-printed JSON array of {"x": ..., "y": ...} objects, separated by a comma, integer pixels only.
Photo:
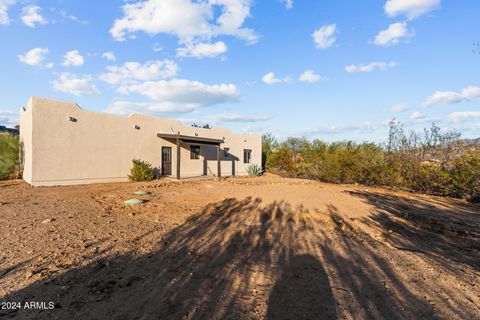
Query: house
[{"x": 64, "y": 145}]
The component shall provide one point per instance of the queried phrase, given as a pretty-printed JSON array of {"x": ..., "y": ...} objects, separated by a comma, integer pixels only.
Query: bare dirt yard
[{"x": 237, "y": 248}]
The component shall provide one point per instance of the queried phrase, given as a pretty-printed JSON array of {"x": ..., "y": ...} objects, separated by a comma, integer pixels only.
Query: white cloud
[
  {"x": 75, "y": 84},
  {"x": 187, "y": 19},
  {"x": 216, "y": 119},
  {"x": 34, "y": 57},
  {"x": 73, "y": 58},
  {"x": 157, "y": 47},
  {"x": 31, "y": 16},
  {"x": 4, "y": 5},
  {"x": 399, "y": 108},
  {"x": 288, "y": 3},
  {"x": 109, "y": 56},
  {"x": 417, "y": 116},
  {"x": 309, "y": 76},
  {"x": 176, "y": 95},
  {"x": 370, "y": 67},
  {"x": 365, "y": 127},
  {"x": 202, "y": 50},
  {"x": 8, "y": 118},
  {"x": 325, "y": 36},
  {"x": 127, "y": 107},
  {"x": 440, "y": 97},
  {"x": 71, "y": 17},
  {"x": 236, "y": 117},
  {"x": 410, "y": 8},
  {"x": 254, "y": 128},
  {"x": 464, "y": 116},
  {"x": 270, "y": 79},
  {"x": 135, "y": 71},
  {"x": 393, "y": 34}
]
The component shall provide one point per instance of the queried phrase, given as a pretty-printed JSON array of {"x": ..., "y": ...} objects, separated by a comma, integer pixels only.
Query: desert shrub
[
  {"x": 295, "y": 145},
  {"x": 269, "y": 145},
  {"x": 141, "y": 171},
  {"x": 342, "y": 162},
  {"x": 9, "y": 157},
  {"x": 466, "y": 177},
  {"x": 432, "y": 162},
  {"x": 430, "y": 178},
  {"x": 281, "y": 162},
  {"x": 254, "y": 170}
]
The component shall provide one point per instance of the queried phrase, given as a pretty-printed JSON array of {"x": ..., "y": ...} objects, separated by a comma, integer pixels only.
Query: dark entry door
[{"x": 166, "y": 161}]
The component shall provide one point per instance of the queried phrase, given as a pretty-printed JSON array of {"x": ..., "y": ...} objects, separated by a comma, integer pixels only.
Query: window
[
  {"x": 247, "y": 155},
  {"x": 194, "y": 152},
  {"x": 226, "y": 152}
]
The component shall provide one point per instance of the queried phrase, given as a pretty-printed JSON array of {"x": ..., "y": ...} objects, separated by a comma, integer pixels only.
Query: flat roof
[{"x": 191, "y": 139}]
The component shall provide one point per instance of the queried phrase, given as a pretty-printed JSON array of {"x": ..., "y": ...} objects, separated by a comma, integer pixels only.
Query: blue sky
[{"x": 330, "y": 69}]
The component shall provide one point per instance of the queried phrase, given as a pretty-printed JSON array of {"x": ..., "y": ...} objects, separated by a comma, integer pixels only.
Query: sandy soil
[{"x": 236, "y": 248}]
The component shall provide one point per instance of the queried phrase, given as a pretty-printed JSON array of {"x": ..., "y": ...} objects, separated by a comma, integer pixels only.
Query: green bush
[
  {"x": 281, "y": 161},
  {"x": 466, "y": 177},
  {"x": 9, "y": 157},
  {"x": 431, "y": 179},
  {"x": 141, "y": 171},
  {"x": 343, "y": 162},
  {"x": 432, "y": 163},
  {"x": 254, "y": 170}
]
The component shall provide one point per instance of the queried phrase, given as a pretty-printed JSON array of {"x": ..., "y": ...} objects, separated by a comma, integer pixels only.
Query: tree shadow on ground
[
  {"x": 442, "y": 233},
  {"x": 237, "y": 259},
  {"x": 302, "y": 292}
]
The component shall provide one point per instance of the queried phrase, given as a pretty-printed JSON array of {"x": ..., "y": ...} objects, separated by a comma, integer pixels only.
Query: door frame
[{"x": 166, "y": 171}]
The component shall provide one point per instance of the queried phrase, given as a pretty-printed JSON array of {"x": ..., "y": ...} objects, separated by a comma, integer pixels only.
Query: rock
[
  {"x": 133, "y": 201},
  {"x": 142, "y": 193},
  {"x": 47, "y": 221}
]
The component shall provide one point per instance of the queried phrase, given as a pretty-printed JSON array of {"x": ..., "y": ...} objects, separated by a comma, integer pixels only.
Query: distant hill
[
  {"x": 472, "y": 141},
  {"x": 4, "y": 129}
]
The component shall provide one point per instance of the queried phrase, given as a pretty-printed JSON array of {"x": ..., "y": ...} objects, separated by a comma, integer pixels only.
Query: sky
[{"x": 326, "y": 69}]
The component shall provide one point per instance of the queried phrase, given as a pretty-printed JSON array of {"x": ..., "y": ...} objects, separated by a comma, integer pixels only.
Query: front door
[{"x": 166, "y": 161}]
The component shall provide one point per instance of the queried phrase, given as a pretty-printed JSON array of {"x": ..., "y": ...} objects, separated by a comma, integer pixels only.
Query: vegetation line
[{"x": 431, "y": 162}]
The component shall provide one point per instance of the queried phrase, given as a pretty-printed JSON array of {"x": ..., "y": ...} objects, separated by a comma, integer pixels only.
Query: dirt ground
[{"x": 236, "y": 248}]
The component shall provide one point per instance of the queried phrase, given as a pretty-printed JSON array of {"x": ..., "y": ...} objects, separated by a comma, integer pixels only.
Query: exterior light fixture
[
  {"x": 137, "y": 127},
  {"x": 72, "y": 119}
]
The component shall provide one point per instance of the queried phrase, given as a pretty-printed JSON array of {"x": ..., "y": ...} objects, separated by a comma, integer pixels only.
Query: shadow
[
  {"x": 7, "y": 270},
  {"x": 240, "y": 259},
  {"x": 303, "y": 291},
  {"x": 157, "y": 172},
  {"x": 208, "y": 153},
  {"x": 443, "y": 233}
]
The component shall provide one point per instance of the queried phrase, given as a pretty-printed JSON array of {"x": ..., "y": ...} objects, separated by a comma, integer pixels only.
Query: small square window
[
  {"x": 247, "y": 156},
  {"x": 226, "y": 152},
  {"x": 194, "y": 152}
]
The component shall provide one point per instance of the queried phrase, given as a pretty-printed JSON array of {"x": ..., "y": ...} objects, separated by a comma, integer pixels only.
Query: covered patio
[{"x": 178, "y": 139}]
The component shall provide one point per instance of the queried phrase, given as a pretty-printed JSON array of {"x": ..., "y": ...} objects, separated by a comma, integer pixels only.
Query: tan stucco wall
[
  {"x": 26, "y": 141},
  {"x": 99, "y": 147}
]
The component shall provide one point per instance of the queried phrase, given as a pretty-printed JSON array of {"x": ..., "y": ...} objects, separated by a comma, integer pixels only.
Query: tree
[
  {"x": 281, "y": 161},
  {"x": 269, "y": 145},
  {"x": 295, "y": 145},
  {"x": 205, "y": 126}
]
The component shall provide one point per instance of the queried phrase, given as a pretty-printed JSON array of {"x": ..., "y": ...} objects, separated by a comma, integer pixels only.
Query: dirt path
[{"x": 238, "y": 248}]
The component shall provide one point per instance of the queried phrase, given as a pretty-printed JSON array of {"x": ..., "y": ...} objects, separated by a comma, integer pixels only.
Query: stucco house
[{"x": 64, "y": 145}]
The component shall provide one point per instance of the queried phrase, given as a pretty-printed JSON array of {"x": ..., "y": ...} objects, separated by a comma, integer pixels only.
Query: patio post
[
  {"x": 219, "y": 173},
  {"x": 178, "y": 159}
]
